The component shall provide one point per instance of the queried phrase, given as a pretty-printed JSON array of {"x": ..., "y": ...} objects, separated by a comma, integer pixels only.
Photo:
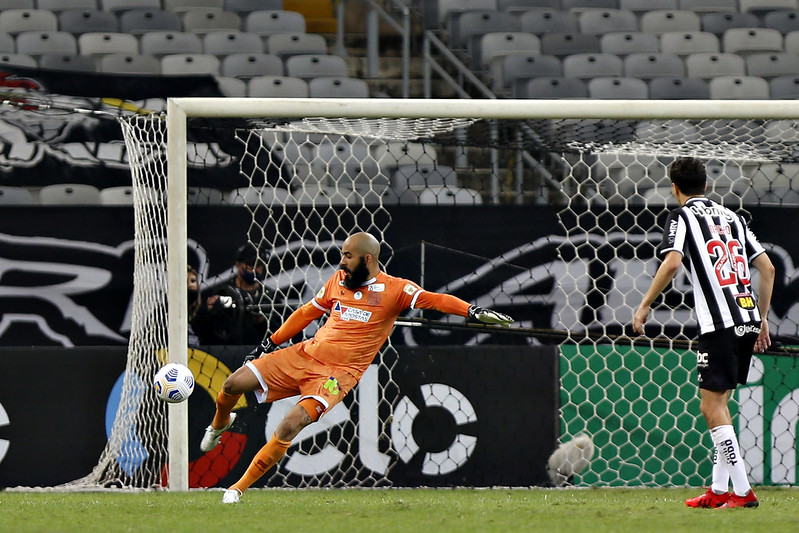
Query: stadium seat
[
  {"x": 15, "y": 196},
  {"x": 69, "y": 194},
  {"x": 477, "y": 23},
  {"x": 781, "y": 131},
  {"x": 683, "y": 43},
  {"x": 337, "y": 87},
  {"x": 784, "y": 21},
  {"x": 264, "y": 196},
  {"x": 129, "y": 64},
  {"x": 624, "y": 43},
  {"x": 17, "y": 4},
  {"x": 618, "y": 88},
  {"x": 587, "y": 66},
  {"x": 509, "y": 69},
  {"x": 161, "y": 43},
  {"x": 496, "y": 44},
  {"x": 663, "y": 20},
  {"x": 284, "y": 45},
  {"x": 232, "y": 87},
  {"x": 718, "y": 23},
  {"x": 751, "y": 40},
  {"x": 553, "y": 87},
  {"x": 7, "y": 43},
  {"x": 99, "y": 43},
  {"x": 307, "y": 66},
  {"x": 250, "y": 65},
  {"x": 540, "y": 21},
  {"x": 35, "y": 43},
  {"x": 125, "y": 5},
  {"x": 57, "y": 6},
  {"x": 317, "y": 194},
  {"x": 395, "y": 154},
  {"x": 122, "y": 195},
  {"x": 246, "y": 6},
  {"x": 18, "y": 60},
  {"x": 449, "y": 196},
  {"x": 446, "y": 11},
  {"x": 579, "y": 5},
  {"x": 139, "y": 21},
  {"x": 16, "y": 21},
  {"x": 784, "y": 87},
  {"x": 791, "y": 42},
  {"x": 177, "y": 64},
  {"x": 641, "y": 6},
  {"x": 702, "y": 7},
  {"x": 420, "y": 176},
  {"x": 706, "y": 66},
  {"x": 79, "y": 21},
  {"x": 668, "y": 88},
  {"x": 771, "y": 65},
  {"x": 601, "y": 21},
  {"x": 181, "y": 6},
  {"x": 525, "y": 5},
  {"x": 204, "y": 196},
  {"x": 67, "y": 62},
  {"x": 205, "y": 20},
  {"x": 647, "y": 66},
  {"x": 564, "y": 44},
  {"x": 277, "y": 87},
  {"x": 739, "y": 88},
  {"x": 271, "y": 21},
  {"x": 223, "y": 43},
  {"x": 760, "y": 7}
]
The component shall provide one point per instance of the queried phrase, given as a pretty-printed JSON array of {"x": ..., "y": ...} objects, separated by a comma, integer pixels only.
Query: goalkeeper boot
[
  {"x": 708, "y": 500},
  {"x": 750, "y": 500},
  {"x": 212, "y": 436},
  {"x": 231, "y": 496}
]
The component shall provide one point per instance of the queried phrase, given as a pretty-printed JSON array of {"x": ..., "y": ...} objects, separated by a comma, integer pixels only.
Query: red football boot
[
  {"x": 750, "y": 500},
  {"x": 709, "y": 500}
]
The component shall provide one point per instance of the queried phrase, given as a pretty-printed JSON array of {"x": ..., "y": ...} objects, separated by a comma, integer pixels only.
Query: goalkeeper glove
[
  {"x": 265, "y": 347},
  {"x": 489, "y": 316}
]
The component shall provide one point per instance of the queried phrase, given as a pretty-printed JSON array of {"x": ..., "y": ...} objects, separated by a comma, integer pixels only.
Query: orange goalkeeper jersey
[{"x": 360, "y": 320}]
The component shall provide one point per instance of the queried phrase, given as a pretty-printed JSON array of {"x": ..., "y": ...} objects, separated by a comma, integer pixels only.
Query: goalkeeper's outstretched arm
[
  {"x": 294, "y": 324},
  {"x": 446, "y": 303}
]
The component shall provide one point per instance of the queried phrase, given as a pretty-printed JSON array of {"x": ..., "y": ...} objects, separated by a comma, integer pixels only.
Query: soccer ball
[
  {"x": 174, "y": 383},
  {"x": 570, "y": 458}
]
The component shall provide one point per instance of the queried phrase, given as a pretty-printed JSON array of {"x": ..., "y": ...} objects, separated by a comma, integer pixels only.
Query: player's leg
[
  {"x": 322, "y": 388},
  {"x": 241, "y": 381}
]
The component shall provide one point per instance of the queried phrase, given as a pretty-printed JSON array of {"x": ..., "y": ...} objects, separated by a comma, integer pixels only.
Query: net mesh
[{"x": 307, "y": 184}]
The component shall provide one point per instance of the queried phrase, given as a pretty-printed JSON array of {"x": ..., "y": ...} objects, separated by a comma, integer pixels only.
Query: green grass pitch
[{"x": 390, "y": 510}]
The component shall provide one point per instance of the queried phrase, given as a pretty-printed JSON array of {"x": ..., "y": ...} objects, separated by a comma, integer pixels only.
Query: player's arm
[
  {"x": 665, "y": 273},
  {"x": 446, "y": 303},
  {"x": 294, "y": 324},
  {"x": 765, "y": 289}
]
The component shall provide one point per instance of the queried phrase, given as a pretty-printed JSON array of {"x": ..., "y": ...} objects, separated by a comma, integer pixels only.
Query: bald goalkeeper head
[{"x": 359, "y": 259}]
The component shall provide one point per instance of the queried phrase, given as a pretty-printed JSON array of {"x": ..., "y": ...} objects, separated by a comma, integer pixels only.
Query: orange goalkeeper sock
[
  {"x": 224, "y": 405},
  {"x": 266, "y": 458}
]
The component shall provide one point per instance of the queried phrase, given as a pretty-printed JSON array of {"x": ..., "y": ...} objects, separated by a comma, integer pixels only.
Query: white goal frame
[{"x": 180, "y": 109}]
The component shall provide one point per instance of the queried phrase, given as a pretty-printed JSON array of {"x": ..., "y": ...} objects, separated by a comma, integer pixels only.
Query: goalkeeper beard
[{"x": 356, "y": 277}]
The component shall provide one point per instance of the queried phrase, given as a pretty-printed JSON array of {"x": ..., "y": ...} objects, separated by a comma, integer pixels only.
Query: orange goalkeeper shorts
[{"x": 290, "y": 371}]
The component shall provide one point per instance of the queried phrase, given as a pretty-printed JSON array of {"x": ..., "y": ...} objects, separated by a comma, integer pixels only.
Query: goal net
[{"x": 309, "y": 172}]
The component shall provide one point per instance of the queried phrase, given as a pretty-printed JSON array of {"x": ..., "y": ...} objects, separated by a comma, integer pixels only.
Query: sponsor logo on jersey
[
  {"x": 673, "y": 230},
  {"x": 745, "y": 301},
  {"x": 410, "y": 289},
  {"x": 702, "y": 359},
  {"x": 377, "y": 287},
  {"x": 331, "y": 386},
  {"x": 320, "y": 293},
  {"x": 740, "y": 331},
  {"x": 352, "y": 313}
]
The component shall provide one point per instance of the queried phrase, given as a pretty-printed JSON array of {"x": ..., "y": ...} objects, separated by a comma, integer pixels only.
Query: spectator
[{"x": 233, "y": 315}]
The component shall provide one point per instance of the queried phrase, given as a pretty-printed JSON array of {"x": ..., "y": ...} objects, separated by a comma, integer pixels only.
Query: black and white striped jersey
[{"x": 717, "y": 248}]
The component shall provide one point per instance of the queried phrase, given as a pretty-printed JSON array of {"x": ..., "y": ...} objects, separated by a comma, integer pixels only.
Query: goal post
[{"x": 607, "y": 158}]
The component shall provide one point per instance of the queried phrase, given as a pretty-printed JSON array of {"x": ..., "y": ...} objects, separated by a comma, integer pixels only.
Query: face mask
[
  {"x": 248, "y": 277},
  {"x": 192, "y": 296}
]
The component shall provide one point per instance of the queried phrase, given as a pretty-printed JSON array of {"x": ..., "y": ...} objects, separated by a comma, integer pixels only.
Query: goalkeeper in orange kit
[{"x": 362, "y": 303}]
